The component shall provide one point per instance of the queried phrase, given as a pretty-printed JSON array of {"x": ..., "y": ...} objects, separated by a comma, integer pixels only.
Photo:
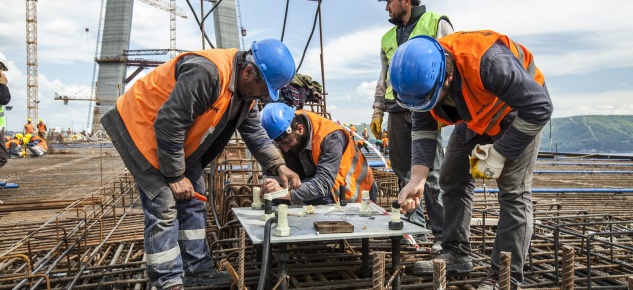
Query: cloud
[{"x": 602, "y": 103}]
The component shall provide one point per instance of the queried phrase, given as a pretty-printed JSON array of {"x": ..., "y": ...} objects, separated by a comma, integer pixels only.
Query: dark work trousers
[
  {"x": 399, "y": 132},
  {"x": 175, "y": 237},
  {"x": 515, "y": 226}
]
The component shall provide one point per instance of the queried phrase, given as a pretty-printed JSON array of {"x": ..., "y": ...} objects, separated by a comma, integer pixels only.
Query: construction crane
[
  {"x": 173, "y": 12},
  {"x": 95, "y": 110},
  {"x": 31, "y": 59}
]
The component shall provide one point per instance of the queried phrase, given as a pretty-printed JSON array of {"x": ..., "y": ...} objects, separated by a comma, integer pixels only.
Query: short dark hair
[{"x": 415, "y": 2}]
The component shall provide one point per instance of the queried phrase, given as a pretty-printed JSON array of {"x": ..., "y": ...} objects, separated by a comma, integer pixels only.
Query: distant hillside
[
  {"x": 590, "y": 134},
  {"x": 587, "y": 134}
]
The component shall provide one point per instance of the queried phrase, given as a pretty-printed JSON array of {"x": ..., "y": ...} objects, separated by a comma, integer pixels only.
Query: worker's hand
[
  {"x": 486, "y": 162},
  {"x": 270, "y": 185},
  {"x": 414, "y": 191},
  {"x": 3, "y": 78},
  {"x": 376, "y": 120},
  {"x": 376, "y": 127},
  {"x": 182, "y": 189},
  {"x": 288, "y": 177}
]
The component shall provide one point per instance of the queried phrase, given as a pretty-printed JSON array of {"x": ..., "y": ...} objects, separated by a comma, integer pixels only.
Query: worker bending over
[
  {"x": 14, "y": 146},
  {"x": 171, "y": 124},
  {"x": 37, "y": 146},
  {"x": 321, "y": 152},
  {"x": 490, "y": 87}
]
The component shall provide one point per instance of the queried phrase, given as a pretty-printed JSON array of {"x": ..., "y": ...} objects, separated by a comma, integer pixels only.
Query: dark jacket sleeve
[
  {"x": 5, "y": 95},
  {"x": 504, "y": 76},
  {"x": 196, "y": 89},
  {"x": 321, "y": 184},
  {"x": 424, "y": 136}
]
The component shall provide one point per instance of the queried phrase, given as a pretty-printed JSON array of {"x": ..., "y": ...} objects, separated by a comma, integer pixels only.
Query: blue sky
[{"x": 582, "y": 47}]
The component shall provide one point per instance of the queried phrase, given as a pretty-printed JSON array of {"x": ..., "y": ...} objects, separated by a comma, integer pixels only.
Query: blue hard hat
[
  {"x": 417, "y": 73},
  {"x": 275, "y": 63},
  {"x": 276, "y": 119}
]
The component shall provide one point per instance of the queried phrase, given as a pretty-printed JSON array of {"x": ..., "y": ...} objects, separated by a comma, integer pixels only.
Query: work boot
[
  {"x": 207, "y": 277},
  {"x": 454, "y": 263},
  {"x": 437, "y": 245},
  {"x": 491, "y": 282}
]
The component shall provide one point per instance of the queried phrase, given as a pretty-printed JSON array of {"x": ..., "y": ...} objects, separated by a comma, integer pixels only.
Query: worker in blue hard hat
[
  {"x": 490, "y": 87},
  {"x": 321, "y": 152},
  {"x": 171, "y": 124}
]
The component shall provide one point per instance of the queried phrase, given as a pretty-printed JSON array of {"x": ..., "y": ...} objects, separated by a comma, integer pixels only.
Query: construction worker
[
  {"x": 41, "y": 129},
  {"x": 409, "y": 19},
  {"x": 321, "y": 152},
  {"x": 28, "y": 127},
  {"x": 5, "y": 98},
  {"x": 14, "y": 146},
  {"x": 499, "y": 112},
  {"x": 171, "y": 124},
  {"x": 37, "y": 145},
  {"x": 365, "y": 134},
  {"x": 352, "y": 129}
]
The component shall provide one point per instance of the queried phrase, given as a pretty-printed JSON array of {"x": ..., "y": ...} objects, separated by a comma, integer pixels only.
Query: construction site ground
[{"x": 75, "y": 222}]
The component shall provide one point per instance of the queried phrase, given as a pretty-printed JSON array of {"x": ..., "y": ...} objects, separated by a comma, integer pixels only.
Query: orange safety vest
[
  {"x": 41, "y": 127},
  {"x": 28, "y": 128},
  {"x": 468, "y": 47},
  {"x": 8, "y": 143},
  {"x": 354, "y": 172},
  {"x": 139, "y": 106},
  {"x": 42, "y": 142}
]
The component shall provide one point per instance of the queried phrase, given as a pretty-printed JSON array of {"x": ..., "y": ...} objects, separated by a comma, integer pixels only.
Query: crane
[
  {"x": 173, "y": 12},
  {"x": 31, "y": 59}
]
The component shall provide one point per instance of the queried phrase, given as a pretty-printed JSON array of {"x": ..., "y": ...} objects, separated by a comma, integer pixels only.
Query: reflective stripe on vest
[
  {"x": 354, "y": 172},
  {"x": 486, "y": 110},
  {"x": 139, "y": 106},
  {"x": 427, "y": 25}
]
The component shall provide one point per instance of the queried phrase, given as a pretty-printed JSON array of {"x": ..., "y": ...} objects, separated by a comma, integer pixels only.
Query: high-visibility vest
[
  {"x": 139, "y": 106},
  {"x": 28, "y": 128},
  {"x": 486, "y": 110},
  {"x": 3, "y": 118},
  {"x": 8, "y": 143},
  {"x": 42, "y": 142},
  {"x": 41, "y": 127},
  {"x": 354, "y": 173},
  {"x": 427, "y": 25}
]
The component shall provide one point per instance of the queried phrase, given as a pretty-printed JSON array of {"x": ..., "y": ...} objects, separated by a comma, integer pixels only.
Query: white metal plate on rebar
[{"x": 302, "y": 228}]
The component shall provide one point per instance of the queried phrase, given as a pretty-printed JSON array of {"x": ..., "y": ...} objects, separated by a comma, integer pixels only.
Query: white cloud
[{"x": 602, "y": 103}]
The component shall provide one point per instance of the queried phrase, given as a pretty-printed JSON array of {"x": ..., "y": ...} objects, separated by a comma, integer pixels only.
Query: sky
[{"x": 582, "y": 47}]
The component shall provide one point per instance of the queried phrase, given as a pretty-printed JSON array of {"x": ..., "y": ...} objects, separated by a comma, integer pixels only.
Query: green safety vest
[
  {"x": 427, "y": 25},
  {"x": 3, "y": 118}
]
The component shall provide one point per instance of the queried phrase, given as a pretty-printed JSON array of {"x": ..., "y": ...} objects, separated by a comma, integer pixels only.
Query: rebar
[
  {"x": 505, "y": 270},
  {"x": 378, "y": 271},
  {"x": 240, "y": 260},
  {"x": 568, "y": 268},
  {"x": 439, "y": 274}
]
